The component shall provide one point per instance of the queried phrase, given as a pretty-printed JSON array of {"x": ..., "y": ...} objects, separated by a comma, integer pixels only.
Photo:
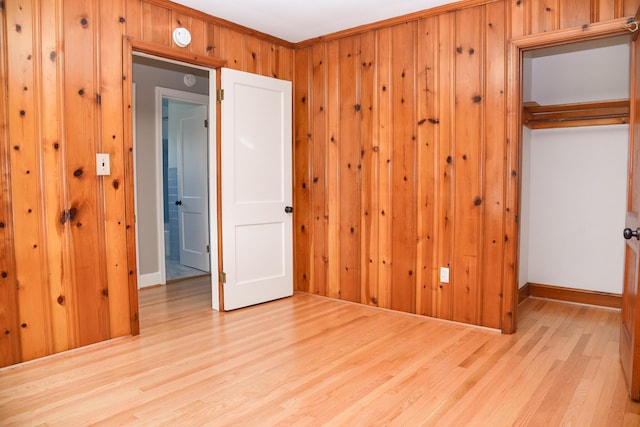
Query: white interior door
[
  {"x": 193, "y": 197},
  {"x": 256, "y": 189}
]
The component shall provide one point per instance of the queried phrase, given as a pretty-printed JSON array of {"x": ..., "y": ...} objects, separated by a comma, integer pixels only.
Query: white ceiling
[{"x": 298, "y": 20}]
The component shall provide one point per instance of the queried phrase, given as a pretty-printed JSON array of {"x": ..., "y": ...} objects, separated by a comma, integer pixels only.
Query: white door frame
[{"x": 177, "y": 95}]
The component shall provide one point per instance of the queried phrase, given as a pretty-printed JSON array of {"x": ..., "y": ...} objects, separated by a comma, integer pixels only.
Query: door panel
[
  {"x": 629, "y": 339},
  {"x": 256, "y": 189},
  {"x": 192, "y": 187}
]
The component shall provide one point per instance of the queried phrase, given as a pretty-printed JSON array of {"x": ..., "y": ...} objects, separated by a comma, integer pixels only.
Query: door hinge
[
  {"x": 223, "y": 277},
  {"x": 208, "y": 249},
  {"x": 206, "y": 123},
  {"x": 220, "y": 95}
]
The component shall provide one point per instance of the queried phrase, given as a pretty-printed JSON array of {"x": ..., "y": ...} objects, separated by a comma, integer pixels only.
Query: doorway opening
[
  {"x": 175, "y": 171},
  {"x": 574, "y": 170}
]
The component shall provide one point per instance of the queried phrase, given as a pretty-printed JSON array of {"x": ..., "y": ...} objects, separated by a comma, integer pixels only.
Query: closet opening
[{"x": 574, "y": 157}]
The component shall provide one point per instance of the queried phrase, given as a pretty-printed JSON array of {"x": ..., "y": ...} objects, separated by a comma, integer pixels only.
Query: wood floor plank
[{"x": 308, "y": 360}]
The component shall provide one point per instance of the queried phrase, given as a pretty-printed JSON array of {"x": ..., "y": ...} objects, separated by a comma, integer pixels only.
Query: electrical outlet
[
  {"x": 102, "y": 164},
  {"x": 444, "y": 274}
]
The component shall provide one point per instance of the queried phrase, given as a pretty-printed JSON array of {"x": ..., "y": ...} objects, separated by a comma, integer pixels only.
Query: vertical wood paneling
[
  {"x": 318, "y": 170},
  {"x": 520, "y": 17},
  {"x": 333, "y": 170},
  {"x": 369, "y": 163},
  {"x": 302, "y": 191},
  {"x": 383, "y": 184},
  {"x": 493, "y": 166},
  {"x": 544, "y": 15},
  {"x": 233, "y": 48},
  {"x": 630, "y": 8},
  {"x": 444, "y": 122},
  {"x": 133, "y": 18},
  {"x": 212, "y": 36},
  {"x": 199, "y": 40},
  {"x": 10, "y": 349},
  {"x": 369, "y": 171},
  {"x": 467, "y": 161},
  {"x": 267, "y": 59},
  {"x": 403, "y": 165},
  {"x": 61, "y": 295},
  {"x": 253, "y": 56},
  {"x": 112, "y": 136},
  {"x": 427, "y": 136},
  {"x": 67, "y": 247},
  {"x": 26, "y": 190},
  {"x": 574, "y": 13},
  {"x": 349, "y": 167},
  {"x": 156, "y": 24},
  {"x": 282, "y": 62},
  {"x": 85, "y": 211}
]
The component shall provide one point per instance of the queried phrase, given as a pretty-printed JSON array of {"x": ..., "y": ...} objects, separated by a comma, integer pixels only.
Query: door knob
[
  {"x": 178, "y": 202},
  {"x": 288, "y": 209},
  {"x": 629, "y": 233}
]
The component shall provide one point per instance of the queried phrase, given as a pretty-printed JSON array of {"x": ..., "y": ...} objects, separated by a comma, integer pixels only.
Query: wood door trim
[
  {"x": 131, "y": 46},
  {"x": 516, "y": 47}
]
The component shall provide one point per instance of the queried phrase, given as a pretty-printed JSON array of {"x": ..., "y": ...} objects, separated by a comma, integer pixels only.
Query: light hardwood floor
[{"x": 307, "y": 360}]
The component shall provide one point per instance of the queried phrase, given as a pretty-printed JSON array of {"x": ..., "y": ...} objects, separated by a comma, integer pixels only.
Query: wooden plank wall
[
  {"x": 402, "y": 162},
  {"x": 64, "y": 232}
]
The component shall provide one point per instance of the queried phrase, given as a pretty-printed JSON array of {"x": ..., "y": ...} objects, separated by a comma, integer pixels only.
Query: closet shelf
[{"x": 597, "y": 113}]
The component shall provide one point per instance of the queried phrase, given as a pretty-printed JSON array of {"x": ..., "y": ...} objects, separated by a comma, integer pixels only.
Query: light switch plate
[
  {"x": 102, "y": 164},
  {"x": 444, "y": 274}
]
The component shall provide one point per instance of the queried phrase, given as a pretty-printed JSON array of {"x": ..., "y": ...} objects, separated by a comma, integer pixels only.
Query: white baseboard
[{"x": 151, "y": 279}]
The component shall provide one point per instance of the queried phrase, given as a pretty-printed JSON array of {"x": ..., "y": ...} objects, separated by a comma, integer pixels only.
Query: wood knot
[
  {"x": 23, "y": 325},
  {"x": 4, "y": 274},
  {"x": 477, "y": 99},
  {"x": 52, "y": 56},
  {"x": 60, "y": 300},
  {"x": 477, "y": 201},
  {"x": 84, "y": 22},
  {"x": 116, "y": 184},
  {"x": 434, "y": 121},
  {"x": 18, "y": 28},
  {"x": 459, "y": 49},
  {"x": 357, "y": 107},
  {"x": 105, "y": 292},
  {"x": 421, "y": 122},
  {"x": 122, "y": 20},
  {"x": 449, "y": 159},
  {"x": 77, "y": 172}
]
